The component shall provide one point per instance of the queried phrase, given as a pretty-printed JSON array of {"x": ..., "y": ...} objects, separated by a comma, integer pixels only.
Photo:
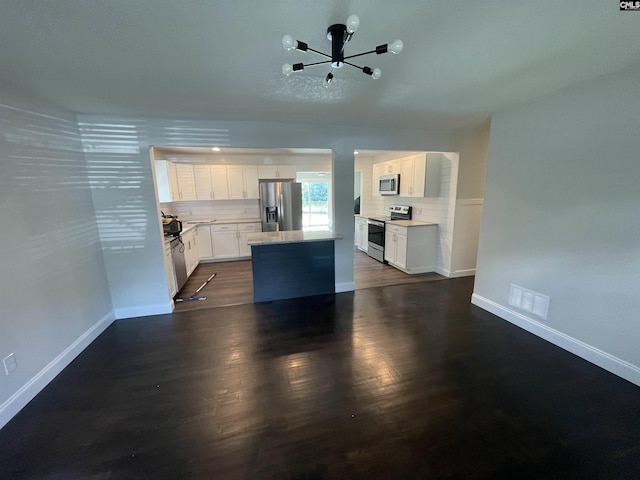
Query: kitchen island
[{"x": 292, "y": 264}]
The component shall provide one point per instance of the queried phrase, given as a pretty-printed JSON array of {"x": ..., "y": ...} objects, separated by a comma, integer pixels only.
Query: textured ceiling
[{"x": 462, "y": 59}]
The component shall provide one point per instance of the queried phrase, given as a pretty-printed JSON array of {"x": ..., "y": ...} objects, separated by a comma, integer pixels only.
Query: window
[{"x": 315, "y": 205}]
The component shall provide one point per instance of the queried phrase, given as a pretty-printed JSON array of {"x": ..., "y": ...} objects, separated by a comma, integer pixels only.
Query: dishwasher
[{"x": 179, "y": 265}]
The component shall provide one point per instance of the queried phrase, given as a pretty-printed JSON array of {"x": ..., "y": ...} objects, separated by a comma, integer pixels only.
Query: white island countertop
[{"x": 291, "y": 236}]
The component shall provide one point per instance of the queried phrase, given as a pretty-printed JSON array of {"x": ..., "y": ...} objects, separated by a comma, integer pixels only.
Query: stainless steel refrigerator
[{"x": 281, "y": 206}]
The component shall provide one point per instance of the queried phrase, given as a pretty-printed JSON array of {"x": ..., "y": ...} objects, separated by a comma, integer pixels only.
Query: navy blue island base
[{"x": 291, "y": 270}]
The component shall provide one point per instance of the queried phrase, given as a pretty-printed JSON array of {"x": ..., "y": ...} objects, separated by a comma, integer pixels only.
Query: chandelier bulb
[
  {"x": 376, "y": 73},
  {"x": 287, "y": 69},
  {"x": 288, "y": 43},
  {"x": 396, "y": 46},
  {"x": 328, "y": 80},
  {"x": 353, "y": 22}
]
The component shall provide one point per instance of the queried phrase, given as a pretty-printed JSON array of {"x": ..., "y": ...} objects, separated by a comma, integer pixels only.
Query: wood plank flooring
[
  {"x": 233, "y": 283},
  {"x": 399, "y": 382}
]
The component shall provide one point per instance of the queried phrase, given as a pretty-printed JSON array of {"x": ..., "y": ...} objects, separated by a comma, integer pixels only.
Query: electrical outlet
[{"x": 10, "y": 363}]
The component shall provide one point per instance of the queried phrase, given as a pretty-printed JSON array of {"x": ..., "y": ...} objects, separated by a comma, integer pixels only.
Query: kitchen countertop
[
  {"x": 409, "y": 223},
  {"x": 400, "y": 223},
  {"x": 292, "y": 236},
  {"x": 211, "y": 222}
]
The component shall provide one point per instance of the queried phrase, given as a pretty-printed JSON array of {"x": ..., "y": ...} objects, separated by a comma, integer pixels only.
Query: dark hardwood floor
[
  {"x": 406, "y": 381},
  {"x": 233, "y": 283}
]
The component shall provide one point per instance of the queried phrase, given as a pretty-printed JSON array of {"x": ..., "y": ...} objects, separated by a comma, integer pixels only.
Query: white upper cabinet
[
  {"x": 420, "y": 175},
  {"x": 219, "y": 182},
  {"x": 186, "y": 181},
  {"x": 211, "y": 182},
  {"x": 203, "y": 182},
  {"x": 393, "y": 166},
  {"x": 379, "y": 169},
  {"x": 276, "y": 172},
  {"x": 167, "y": 181},
  {"x": 243, "y": 182}
]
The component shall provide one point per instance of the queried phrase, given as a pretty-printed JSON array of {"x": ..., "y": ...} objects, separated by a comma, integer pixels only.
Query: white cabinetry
[
  {"x": 167, "y": 181},
  {"x": 379, "y": 169},
  {"x": 276, "y": 172},
  {"x": 191, "y": 253},
  {"x": 420, "y": 175},
  {"x": 211, "y": 182},
  {"x": 225, "y": 240},
  {"x": 385, "y": 168},
  {"x": 362, "y": 234},
  {"x": 244, "y": 230},
  {"x": 169, "y": 269},
  {"x": 395, "y": 246},
  {"x": 393, "y": 166},
  {"x": 205, "y": 246},
  {"x": 186, "y": 182},
  {"x": 243, "y": 182},
  {"x": 411, "y": 249}
]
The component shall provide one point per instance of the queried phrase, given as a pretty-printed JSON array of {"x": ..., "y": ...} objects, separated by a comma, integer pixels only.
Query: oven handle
[{"x": 375, "y": 222}]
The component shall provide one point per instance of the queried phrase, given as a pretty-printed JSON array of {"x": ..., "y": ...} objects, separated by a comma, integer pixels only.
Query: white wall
[
  {"x": 562, "y": 217},
  {"x": 53, "y": 288}
]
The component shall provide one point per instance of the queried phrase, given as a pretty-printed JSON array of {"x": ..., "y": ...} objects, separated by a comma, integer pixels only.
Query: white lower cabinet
[
  {"x": 227, "y": 240},
  {"x": 205, "y": 246},
  {"x": 191, "y": 253},
  {"x": 395, "y": 249},
  {"x": 361, "y": 236},
  {"x": 170, "y": 270},
  {"x": 411, "y": 249},
  {"x": 244, "y": 230}
]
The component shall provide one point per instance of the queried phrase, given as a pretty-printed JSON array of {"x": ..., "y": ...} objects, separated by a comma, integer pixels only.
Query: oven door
[{"x": 376, "y": 239}]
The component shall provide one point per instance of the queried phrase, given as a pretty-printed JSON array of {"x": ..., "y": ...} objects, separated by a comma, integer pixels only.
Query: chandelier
[{"x": 339, "y": 34}]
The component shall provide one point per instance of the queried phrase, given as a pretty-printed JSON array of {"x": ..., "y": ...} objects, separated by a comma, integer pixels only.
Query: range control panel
[{"x": 401, "y": 209}]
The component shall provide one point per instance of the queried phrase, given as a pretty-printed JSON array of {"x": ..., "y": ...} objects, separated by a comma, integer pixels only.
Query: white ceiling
[{"x": 220, "y": 59}]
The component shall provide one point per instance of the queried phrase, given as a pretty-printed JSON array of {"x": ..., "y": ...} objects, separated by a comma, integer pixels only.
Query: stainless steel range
[{"x": 376, "y": 229}]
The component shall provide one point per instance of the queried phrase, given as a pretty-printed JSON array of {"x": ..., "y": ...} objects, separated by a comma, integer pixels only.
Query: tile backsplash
[{"x": 213, "y": 209}]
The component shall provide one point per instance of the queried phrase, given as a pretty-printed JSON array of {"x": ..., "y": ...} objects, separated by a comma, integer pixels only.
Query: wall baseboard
[
  {"x": 29, "y": 390},
  {"x": 345, "y": 287},
  {"x": 143, "y": 311},
  {"x": 414, "y": 271},
  {"x": 462, "y": 273},
  {"x": 604, "y": 360}
]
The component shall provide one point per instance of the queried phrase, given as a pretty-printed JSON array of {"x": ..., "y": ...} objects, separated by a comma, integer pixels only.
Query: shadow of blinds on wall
[
  {"x": 117, "y": 167},
  {"x": 44, "y": 178},
  {"x": 187, "y": 133},
  {"x": 119, "y": 170}
]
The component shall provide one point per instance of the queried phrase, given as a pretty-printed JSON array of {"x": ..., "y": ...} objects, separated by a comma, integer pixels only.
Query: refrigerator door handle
[{"x": 281, "y": 215}]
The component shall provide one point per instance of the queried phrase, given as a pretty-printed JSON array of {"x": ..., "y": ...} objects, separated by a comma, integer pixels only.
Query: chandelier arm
[
  {"x": 354, "y": 65},
  {"x": 319, "y": 53},
  {"x": 317, "y": 63},
  {"x": 360, "y": 54}
]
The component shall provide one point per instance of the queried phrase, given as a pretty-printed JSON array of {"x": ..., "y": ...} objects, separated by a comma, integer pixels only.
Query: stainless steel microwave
[{"x": 389, "y": 184}]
